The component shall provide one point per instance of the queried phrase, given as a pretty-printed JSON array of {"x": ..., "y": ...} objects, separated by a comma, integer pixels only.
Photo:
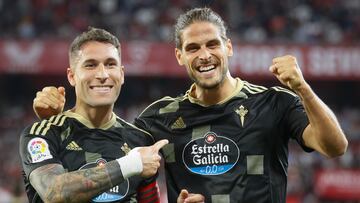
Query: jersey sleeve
[
  {"x": 138, "y": 137},
  {"x": 143, "y": 122},
  {"x": 148, "y": 191},
  {"x": 37, "y": 147},
  {"x": 296, "y": 120},
  {"x": 150, "y": 115}
]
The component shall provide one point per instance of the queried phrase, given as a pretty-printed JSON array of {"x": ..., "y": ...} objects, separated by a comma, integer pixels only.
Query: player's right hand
[
  {"x": 186, "y": 197},
  {"x": 49, "y": 101},
  {"x": 150, "y": 158}
]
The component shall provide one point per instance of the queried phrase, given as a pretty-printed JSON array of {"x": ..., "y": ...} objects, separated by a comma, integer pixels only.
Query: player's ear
[
  {"x": 70, "y": 76},
  {"x": 178, "y": 55},
  {"x": 229, "y": 48},
  {"x": 122, "y": 75}
]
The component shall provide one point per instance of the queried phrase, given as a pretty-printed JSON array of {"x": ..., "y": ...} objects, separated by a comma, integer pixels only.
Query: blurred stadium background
[{"x": 323, "y": 34}]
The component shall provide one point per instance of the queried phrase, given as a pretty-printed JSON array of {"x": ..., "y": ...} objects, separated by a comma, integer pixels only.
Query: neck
[
  {"x": 217, "y": 94},
  {"x": 97, "y": 116}
]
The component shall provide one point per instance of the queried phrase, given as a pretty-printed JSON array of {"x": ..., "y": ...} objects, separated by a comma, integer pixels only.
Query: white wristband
[{"x": 131, "y": 164}]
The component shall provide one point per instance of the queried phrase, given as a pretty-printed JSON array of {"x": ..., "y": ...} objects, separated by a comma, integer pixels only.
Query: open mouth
[{"x": 208, "y": 68}]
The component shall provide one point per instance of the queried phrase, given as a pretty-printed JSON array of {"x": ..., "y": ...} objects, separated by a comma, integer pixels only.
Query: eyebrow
[
  {"x": 216, "y": 41},
  {"x": 89, "y": 61},
  {"x": 94, "y": 60},
  {"x": 191, "y": 45}
]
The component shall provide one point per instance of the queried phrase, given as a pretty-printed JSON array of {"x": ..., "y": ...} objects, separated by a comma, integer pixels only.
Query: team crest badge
[
  {"x": 126, "y": 149},
  {"x": 242, "y": 111}
]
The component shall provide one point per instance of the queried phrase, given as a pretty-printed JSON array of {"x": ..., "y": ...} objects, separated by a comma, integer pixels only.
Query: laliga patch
[
  {"x": 210, "y": 155},
  {"x": 38, "y": 149},
  {"x": 114, "y": 194}
]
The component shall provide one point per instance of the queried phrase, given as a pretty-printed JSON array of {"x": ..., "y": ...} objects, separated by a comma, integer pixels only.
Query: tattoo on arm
[{"x": 55, "y": 185}]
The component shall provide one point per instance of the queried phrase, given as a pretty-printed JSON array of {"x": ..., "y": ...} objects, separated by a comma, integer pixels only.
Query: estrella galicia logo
[
  {"x": 114, "y": 194},
  {"x": 210, "y": 155}
]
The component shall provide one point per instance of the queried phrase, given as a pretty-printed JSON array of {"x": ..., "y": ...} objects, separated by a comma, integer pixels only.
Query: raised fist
[
  {"x": 287, "y": 71},
  {"x": 49, "y": 101}
]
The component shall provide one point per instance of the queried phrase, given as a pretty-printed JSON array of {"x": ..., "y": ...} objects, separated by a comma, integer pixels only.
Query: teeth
[
  {"x": 101, "y": 88},
  {"x": 206, "y": 68}
]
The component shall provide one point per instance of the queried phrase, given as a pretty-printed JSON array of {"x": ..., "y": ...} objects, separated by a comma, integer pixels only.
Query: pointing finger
[{"x": 159, "y": 144}]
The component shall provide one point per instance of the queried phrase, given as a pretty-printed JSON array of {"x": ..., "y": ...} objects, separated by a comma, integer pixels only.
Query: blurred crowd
[
  {"x": 255, "y": 21},
  {"x": 250, "y": 21}
]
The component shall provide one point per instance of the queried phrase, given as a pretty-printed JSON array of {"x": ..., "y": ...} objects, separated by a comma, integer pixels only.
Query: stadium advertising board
[
  {"x": 338, "y": 184},
  {"x": 157, "y": 59}
]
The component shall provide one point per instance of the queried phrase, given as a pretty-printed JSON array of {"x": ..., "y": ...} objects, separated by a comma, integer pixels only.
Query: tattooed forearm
[{"x": 55, "y": 185}]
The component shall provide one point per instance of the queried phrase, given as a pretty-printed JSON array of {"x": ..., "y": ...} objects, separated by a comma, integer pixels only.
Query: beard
[
  {"x": 211, "y": 83},
  {"x": 208, "y": 85}
]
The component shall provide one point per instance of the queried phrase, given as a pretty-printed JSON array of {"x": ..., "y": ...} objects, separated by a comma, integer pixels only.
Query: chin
[
  {"x": 208, "y": 85},
  {"x": 102, "y": 104}
]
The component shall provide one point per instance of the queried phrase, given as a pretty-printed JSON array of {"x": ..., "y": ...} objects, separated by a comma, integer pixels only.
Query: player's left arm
[{"x": 323, "y": 133}]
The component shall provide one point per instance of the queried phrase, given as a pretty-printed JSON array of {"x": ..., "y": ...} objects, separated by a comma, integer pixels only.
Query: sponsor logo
[
  {"x": 210, "y": 155},
  {"x": 72, "y": 146},
  {"x": 39, "y": 150},
  {"x": 114, "y": 194},
  {"x": 178, "y": 124}
]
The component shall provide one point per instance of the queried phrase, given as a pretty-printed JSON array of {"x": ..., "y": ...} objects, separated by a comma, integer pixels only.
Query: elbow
[
  {"x": 339, "y": 150},
  {"x": 54, "y": 195},
  {"x": 53, "y": 199}
]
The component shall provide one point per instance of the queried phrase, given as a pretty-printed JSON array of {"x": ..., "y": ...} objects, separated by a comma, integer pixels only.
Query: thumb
[
  {"x": 61, "y": 90},
  {"x": 184, "y": 194},
  {"x": 273, "y": 69},
  {"x": 159, "y": 144}
]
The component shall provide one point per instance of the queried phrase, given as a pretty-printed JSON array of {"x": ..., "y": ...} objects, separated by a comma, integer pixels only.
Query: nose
[
  {"x": 204, "y": 54},
  {"x": 102, "y": 72}
]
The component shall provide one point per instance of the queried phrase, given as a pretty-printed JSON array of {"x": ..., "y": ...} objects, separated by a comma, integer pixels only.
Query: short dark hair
[
  {"x": 197, "y": 15},
  {"x": 92, "y": 34}
]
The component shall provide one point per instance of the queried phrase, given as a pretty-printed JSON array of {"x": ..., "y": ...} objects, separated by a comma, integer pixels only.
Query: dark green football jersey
[
  {"x": 234, "y": 151},
  {"x": 70, "y": 140}
]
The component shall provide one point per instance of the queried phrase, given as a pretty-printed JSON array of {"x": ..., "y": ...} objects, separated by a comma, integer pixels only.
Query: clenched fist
[
  {"x": 287, "y": 71},
  {"x": 49, "y": 101}
]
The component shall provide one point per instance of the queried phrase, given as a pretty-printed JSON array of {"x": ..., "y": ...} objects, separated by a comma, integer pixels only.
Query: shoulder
[
  {"x": 44, "y": 127},
  {"x": 43, "y": 135},
  {"x": 283, "y": 92},
  {"x": 275, "y": 96},
  {"x": 132, "y": 128},
  {"x": 253, "y": 89},
  {"x": 164, "y": 105},
  {"x": 284, "y": 96}
]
